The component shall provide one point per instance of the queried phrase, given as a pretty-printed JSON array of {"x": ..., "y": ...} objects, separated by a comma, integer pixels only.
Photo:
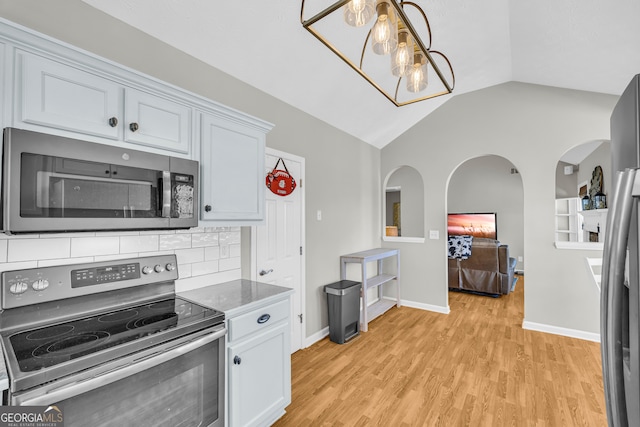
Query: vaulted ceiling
[{"x": 590, "y": 45}]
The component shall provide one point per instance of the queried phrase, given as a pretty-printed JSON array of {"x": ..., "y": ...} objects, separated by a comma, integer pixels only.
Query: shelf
[
  {"x": 383, "y": 304},
  {"x": 378, "y": 280},
  {"x": 379, "y": 307}
]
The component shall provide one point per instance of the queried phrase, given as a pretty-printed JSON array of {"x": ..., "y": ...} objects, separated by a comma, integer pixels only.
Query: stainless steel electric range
[{"x": 109, "y": 343}]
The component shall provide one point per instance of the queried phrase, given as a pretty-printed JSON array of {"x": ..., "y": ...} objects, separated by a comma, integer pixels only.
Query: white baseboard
[
  {"x": 427, "y": 307},
  {"x": 572, "y": 333},
  {"x": 311, "y": 340}
]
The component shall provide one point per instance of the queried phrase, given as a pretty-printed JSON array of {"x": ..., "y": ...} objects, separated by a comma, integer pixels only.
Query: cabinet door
[
  {"x": 232, "y": 163},
  {"x": 259, "y": 377},
  {"x": 63, "y": 97},
  {"x": 157, "y": 122}
]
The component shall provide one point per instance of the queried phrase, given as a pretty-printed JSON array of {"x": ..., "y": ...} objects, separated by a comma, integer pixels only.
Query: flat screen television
[{"x": 473, "y": 224}]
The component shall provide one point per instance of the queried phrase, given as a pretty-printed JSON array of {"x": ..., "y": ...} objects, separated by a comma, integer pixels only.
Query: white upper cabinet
[
  {"x": 55, "y": 88},
  {"x": 61, "y": 96},
  {"x": 232, "y": 170},
  {"x": 157, "y": 122},
  {"x": 55, "y": 95}
]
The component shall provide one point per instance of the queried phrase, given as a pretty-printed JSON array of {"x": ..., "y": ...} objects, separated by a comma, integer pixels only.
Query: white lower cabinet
[{"x": 259, "y": 365}]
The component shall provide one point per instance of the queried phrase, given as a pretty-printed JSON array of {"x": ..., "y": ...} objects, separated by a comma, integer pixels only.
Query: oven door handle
[{"x": 71, "y": 390}]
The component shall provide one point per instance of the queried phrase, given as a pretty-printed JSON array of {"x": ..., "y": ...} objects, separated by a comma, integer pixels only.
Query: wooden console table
[{"x": 368, "y": 313}]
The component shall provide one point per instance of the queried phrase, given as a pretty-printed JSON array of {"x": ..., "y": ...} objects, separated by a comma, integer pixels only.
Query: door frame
[{"x": 254, "y": 245}]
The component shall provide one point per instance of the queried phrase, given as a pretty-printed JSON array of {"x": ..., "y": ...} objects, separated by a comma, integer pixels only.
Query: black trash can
[{"x": 343, "y": 300}]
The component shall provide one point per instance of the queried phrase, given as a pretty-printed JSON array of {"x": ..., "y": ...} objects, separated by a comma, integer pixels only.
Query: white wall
[
  {"x": 486, "y": 184},
  {"x": 532, "y": 126}
]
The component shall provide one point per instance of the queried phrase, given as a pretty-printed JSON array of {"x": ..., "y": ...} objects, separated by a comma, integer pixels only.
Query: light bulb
[
  {"x": 384, "y": 32},
  {"x": 402, "y": 57},
  {"x": 417, "y": 76},
  {"x": 359, "y": 12}
]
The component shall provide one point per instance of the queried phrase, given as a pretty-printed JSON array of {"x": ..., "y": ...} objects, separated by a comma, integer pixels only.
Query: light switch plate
[{"x": 434, "y": 234}]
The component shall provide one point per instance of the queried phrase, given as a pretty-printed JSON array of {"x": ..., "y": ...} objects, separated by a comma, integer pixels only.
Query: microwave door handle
[
  {"x": 611, "y": 301},
  {"x": 166, "y": 194},
  {"x": 75, "y": 389}
]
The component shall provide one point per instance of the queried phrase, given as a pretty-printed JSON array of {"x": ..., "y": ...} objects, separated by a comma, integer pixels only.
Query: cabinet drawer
[{"x": 258, "y": 319}]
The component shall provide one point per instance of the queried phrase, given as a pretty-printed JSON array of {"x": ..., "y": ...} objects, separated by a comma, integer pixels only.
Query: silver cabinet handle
[
  {"x": 611, "y": 299},
  {"x": 265, "y": 272}
]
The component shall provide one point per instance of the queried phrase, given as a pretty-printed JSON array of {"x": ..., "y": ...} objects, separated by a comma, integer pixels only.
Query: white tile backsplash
[
  {"x": 202, "y": 268},
  {"x": 212, "y": 253},
  {"x": 3, "y": 250},
  {"x": 175, "y": 241},
  {"x": 204, "y": 239},
  {"x": 190, "y": 256},
  {"x": 92, "y": 246},
  {"x": 229, "y": 264},
  {"x": 146, "y": 243},
  {"x": 197, "y": 251},
  {"x": 37, "y": 249}
]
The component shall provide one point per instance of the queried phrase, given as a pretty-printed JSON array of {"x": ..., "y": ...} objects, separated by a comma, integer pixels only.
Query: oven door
[{"x": 176, "y": 384}]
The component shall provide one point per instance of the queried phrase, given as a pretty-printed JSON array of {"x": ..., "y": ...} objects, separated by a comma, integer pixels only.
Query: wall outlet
[
  {"x": 520, "y": 259},
  {"x": 434, "y": 234}
]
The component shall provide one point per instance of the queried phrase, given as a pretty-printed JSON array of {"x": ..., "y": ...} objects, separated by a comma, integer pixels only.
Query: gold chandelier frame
[{"x": 426, "y": 49}]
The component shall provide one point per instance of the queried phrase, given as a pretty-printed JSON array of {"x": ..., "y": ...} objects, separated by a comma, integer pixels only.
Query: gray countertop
[{"x": 236, "y": 296}]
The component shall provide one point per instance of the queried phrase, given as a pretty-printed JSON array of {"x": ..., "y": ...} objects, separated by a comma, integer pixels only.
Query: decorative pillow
[{"x": 460, "y": 247}]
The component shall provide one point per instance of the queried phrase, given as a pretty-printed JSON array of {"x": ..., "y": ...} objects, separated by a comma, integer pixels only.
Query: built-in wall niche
[
  {"x": 585, "y": 170},
  {"x": 403, "y": 201}
]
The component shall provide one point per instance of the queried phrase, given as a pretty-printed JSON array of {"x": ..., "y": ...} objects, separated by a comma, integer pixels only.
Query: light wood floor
[{"x": 473, "y": 367}]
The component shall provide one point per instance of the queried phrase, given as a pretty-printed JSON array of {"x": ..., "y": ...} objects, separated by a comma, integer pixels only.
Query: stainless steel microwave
[{"x": 56, "y": 184}]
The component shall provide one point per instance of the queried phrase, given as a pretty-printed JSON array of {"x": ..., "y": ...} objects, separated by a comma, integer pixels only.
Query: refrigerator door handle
[{"x": 611, "y": 301}]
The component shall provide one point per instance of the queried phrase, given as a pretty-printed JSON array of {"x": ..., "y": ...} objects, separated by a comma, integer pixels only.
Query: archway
[{"x": 491, "y": 184}]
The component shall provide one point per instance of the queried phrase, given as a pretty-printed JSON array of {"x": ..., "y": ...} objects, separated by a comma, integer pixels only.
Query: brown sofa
[{"x": 489, "y": 269}]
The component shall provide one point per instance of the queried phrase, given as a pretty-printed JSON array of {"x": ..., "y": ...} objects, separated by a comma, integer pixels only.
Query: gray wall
[
  {"x": 486, "y": 184},
  {"x": 531, "y": 126},
  {"x": 351, "y": 213},
  {"x": 566, "y": 185}
]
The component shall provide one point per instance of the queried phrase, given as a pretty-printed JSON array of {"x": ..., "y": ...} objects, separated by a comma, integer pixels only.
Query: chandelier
[{"x": 379, "y": 41}]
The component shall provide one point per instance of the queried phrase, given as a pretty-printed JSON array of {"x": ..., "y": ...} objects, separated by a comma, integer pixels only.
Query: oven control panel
[{"x": 43, "y": 284}]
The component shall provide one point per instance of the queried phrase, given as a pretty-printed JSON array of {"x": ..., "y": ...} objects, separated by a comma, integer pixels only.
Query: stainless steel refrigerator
[{"x": 620, "y": 296}]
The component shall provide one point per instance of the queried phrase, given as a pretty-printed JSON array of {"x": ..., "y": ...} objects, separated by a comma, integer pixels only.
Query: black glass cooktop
[{"x": 48, "y": 346}]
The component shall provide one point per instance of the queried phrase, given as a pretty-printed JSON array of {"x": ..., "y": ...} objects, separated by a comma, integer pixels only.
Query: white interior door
[{"x": 279, "y": 242}]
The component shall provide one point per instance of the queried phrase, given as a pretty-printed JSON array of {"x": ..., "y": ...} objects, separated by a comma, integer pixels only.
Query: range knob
[
  {"x": 158, "y": 268},
  {"x": 147, "y": 270},
  {"x": 18, "y": 288},
  {"x": 170, "y": 267},
  {"x": 40, "y": 285}
]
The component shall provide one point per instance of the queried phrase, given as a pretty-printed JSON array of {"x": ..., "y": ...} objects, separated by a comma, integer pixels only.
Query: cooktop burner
[{"x": 52, "y": 345}]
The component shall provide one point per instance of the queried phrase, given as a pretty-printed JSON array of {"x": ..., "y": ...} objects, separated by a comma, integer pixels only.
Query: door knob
[
  {"x": 265, "y": 272},
  {"x": 113, "y": 122},
  {"x": 237, "y": 360},
  {"x": 134, "y": 127}
]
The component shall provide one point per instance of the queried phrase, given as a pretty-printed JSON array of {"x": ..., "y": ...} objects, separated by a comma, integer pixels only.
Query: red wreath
[{"x": 279, "y": 181}]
